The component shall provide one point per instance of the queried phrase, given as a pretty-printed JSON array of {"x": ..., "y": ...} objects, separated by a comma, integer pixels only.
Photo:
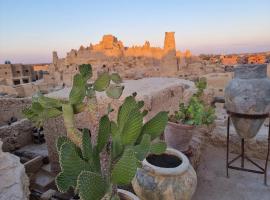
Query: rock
[
  {"x": 32, "y": 166},
  {"x": 14, "y": 183},
  {"x": 48, "y": 194}
]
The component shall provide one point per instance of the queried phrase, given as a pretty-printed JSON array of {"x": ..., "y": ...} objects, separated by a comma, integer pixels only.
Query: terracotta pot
[
  {"x": 178, "y": 136},
  {"x": 248, "y": 93},
  {"x": 126, "y": 195},
  {"x": 177, "y": 182}
]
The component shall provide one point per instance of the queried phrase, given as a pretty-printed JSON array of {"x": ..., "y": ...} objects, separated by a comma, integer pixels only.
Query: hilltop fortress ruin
[{"x": 111, "y": 54}]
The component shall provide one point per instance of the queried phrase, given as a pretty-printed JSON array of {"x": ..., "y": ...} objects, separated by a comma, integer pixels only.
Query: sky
[{"x": 31, "y": 29}]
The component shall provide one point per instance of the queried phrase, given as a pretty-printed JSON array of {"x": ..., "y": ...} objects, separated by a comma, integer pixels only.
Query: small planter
[
  {"x": 178, "y": 136},
  {"x": 168, "y": 176},
  {"x": 126, "y": 195}
]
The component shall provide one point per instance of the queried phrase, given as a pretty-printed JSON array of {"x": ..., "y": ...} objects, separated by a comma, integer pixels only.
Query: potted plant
[
  {"x": 126, "y": 141},
  {"x": 179, "y": 130}
]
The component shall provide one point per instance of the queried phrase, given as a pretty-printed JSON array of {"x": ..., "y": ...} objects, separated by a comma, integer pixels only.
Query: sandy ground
[{"x": 214, "y": 185}]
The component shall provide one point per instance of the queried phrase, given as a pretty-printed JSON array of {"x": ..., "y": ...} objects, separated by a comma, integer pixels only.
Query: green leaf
[
  {"x": 116, "y": 78},
  {"x": 62, "y": 183},
  {"x": 115, "y": 198},
  {"x": 103, "y": 132},
  {"x": 92, "y": 186},
  {"x": 77, "y": 92},
  {"x": 132, "y": 128},
  {"x": 38, "y": 114},
  {"x": 114, "y": 129},
  {"x": 78, "y": 108},
  {"x": 142, "y": 149},
  {"x": 60, "y": 141},
  {"x": 47, "y": 102},
  {"x": 36, "y": 107},
  {"x": 190, "y": 122},
  {"x": 29, "y": 114},
  {"x": 114, "y": 91},
  {"x": 117, "y": 147},
  {"x": 102, "y": 82},
  {"x": 144, "y": 113},
  {"x": 52, "y": 113},
  {"x": 125, "y": 169},
  {"x": 87, "y": 151},
  {"x": 158, "y": 147},
  {"x": 124, "y": 110},
  {"x": 140, "y": 104},
  {"x": 71, "y": 165},
  {"x": 86, "y": 70},
  {"x": 156, "y": 125}
]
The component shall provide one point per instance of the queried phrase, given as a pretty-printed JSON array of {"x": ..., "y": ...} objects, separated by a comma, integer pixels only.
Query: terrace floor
[{"x": 214, "y": 185}]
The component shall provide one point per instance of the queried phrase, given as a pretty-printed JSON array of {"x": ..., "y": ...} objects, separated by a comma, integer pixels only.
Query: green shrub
[{"x": 195, "y": 112}]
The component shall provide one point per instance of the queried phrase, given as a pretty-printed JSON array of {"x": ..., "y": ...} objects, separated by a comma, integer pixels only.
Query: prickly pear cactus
[{"x": 129, "y": 139}]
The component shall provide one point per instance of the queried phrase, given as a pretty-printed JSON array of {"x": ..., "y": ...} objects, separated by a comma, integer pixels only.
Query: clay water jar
[
  {"x": 248, "y": 93},
  {"x": 178, "y": 136},
  {"x": 168, "y": 176},
  {"x": 126, "y": 195}
]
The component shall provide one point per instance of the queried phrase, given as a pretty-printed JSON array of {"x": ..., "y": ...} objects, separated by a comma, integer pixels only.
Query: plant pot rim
[
  {"x": 181, "y": 125},
  {"x": 128, "y": 194},
  {"x": 168, "y": 171}
]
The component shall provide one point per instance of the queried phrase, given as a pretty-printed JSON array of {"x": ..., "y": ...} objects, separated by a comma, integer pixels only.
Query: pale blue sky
[{"x": 31, "y": 29}]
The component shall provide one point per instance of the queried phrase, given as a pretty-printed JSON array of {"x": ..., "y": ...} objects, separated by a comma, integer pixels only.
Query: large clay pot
[
  {"x": 126, "y": 195},
  {"x": 168, "y": 176},
  {"x": 178, "y": 136},
  {"x": 248, "y": 93}
]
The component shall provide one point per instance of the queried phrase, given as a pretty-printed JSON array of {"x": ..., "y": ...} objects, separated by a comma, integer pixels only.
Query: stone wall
[
  {"x": 16, "y": 135},
  {"x": 159, "y": 94},
  {"x": 6, "y": 89},
  {"x": 12, "y": 107},
  {"x": 28, "y": 89},
  {"x": 217, "y": 82}
]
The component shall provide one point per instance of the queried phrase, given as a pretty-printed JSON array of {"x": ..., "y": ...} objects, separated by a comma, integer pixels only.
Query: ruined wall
[
  {"x": 229, "y": 60},
  {"x": 169, "y": 42},
  {"x": 16, "y": 135},
  {"x": 41, "y": 67},
  {"x": 111, "y": 54},
  {"x": 216, "y": 82},
  {"x": 6, "y": 89},
  {"x": 6, "y": 73},
  {"x": 12, "y": 107},
  {"x": 256, "y": 59},
  {"x": 17, "y": 73}
]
